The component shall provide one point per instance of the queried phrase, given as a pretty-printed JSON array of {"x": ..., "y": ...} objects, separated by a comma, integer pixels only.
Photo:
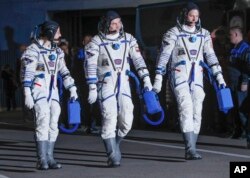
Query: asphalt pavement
[{"x": 145, "y": 154}]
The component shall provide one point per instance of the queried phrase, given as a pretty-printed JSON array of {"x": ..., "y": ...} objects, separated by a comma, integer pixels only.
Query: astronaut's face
[
  {"x": 57, "y": 35},
  {"x": 115, "y": 26},
  {"x": 193, "y": 17}
]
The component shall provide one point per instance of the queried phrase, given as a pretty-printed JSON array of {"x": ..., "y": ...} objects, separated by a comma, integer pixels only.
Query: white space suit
[
  {"x": 39, "y": 73},
  {"x": 107, "y": 66},
  {"x": 40, "y": 68},
  {"x": 187, "y": 72},
  {"x": 107, "y": 60},
  {"x": 41, "y": 63},
  {"x": 187, "y": 48}
]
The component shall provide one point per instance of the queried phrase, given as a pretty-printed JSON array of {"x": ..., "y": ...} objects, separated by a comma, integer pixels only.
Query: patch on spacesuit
[
  {"x": 193, "y": 51},
  {"x": 118, "y": 61},
  {"x": 105, "y": 62},
  {"x": 27, "y": 61},
  {"x": 181, "y": 51},
  {"x": 51, "y": 64},
  {"x": 40, "y": 67}
]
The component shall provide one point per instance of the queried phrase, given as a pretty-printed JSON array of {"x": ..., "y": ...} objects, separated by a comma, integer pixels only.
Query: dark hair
[
  {"x": 48, "y": 29},
  {"x": 106, "y": 19}
]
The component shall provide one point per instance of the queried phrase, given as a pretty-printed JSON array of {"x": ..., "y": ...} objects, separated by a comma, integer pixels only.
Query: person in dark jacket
[{"x": 238, "y": 72}]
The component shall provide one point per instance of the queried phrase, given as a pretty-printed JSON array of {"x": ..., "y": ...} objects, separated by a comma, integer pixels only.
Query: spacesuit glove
[
  {"x": 28, "y": 99},
  {"x": 73, "y": 93},
  {"x": 157, "y": 83},
  {"x": 92, "y": 93},
  {"x": 147, "y": 83},
  {"x": 220, "y": 80}
]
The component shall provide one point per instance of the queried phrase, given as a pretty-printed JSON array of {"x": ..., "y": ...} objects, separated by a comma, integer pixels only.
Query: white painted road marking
[{"x": 182, "y": 148}]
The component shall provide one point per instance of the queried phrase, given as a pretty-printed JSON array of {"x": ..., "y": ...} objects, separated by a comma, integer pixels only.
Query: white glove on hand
[
  {"x": 92, "y": 93},
  {"x": 157, "y": 83},
  {"x": 147, "y": 83},
  {"x": 220, "y": 80},
  {"x": 73, "y": 93},
  {"x": 28, "y": 99}
]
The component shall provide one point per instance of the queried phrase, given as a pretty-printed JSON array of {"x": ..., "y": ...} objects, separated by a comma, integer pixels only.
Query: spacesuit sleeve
[
  {"x": 90, "y": 63},
  {"x": 68, "y": 81},
  {"x": 137, "y": 59},
  {"x": 210, "y": 56},
  {"x": 28, "y": 66},
  {"x": 167, "y": 46}
]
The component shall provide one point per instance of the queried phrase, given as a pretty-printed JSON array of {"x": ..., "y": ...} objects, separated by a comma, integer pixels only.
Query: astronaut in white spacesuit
[
  {"x": 185, "y": 47},
  {"x": 107, "y": 60},
  {"x": 41, "y": 63}
]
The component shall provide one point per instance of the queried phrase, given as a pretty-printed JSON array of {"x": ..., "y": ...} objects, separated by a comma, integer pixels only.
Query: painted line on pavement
[{"x": 182, "y": 148}]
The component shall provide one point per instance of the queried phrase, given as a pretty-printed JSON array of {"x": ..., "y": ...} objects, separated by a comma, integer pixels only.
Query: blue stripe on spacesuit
[
  {"x": 56, "y": 101},
  {"x": 51, "y": 86},
  {"x": 192, "y": 76},
  {"x": 40, "y": 76},
  {"x": 180, "y": 83},
  {"x": 39, "y": 99},
  {"x": 126, "y": 95},
  {"x": 107, "y": 98},
  {"x": 160, "y": 70},
  {"x": 64, "y": 73},
  {"x": 204, "y": 65},
  {"x": 118, "y": 89},
  {"x": 91, "y": 80},
  {"x": 180, "y": 63},
  {"x": 27, "y": 83},
  {"x": 200, "y": 35},
  {"x": 124, "y": 41},
  {"x": 143, "y": 76},
  {"x": 199, "y": 85},
  {"x": 68, "y": 87},
  {"x": 183, "y": 35},
  {"x": 107, "y": 74},
  {"x": 193, "y": 71},
  {"x": 103, "y": 44}
]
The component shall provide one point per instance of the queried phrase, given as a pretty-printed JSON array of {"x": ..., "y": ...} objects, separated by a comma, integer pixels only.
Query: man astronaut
[
  {"x": 185, "y": 44},
  {"x": 41, "y": 62},
  {"x": 107, "y": 60}
]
